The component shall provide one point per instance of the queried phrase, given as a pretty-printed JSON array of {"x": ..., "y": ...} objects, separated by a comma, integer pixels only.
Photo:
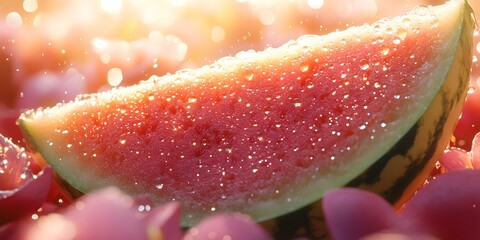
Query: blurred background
[{"x": 53, "y": 50}]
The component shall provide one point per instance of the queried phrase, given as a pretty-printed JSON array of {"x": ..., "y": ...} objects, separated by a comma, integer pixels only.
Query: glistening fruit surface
[{"x": 263, "y": 133}]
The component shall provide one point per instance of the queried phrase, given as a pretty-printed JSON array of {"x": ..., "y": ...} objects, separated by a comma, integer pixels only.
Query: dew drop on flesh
[
  {"x": 304, "y": 67},
  {"x": 364, "y": 64}
]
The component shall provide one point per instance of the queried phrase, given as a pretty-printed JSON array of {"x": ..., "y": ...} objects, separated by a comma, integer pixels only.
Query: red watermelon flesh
[{"x": 262, "y": 133}]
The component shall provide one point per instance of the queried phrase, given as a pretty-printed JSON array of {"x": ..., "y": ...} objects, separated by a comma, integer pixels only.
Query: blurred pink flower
[
  {"x": 456, "y": 158},
  {"x": 445, "y": 208},
  {"x": 23, "y": 188},
  {"x": 110, "y": 214}
]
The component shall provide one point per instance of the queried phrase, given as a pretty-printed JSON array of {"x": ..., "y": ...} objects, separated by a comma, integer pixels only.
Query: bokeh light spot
[
  {"x": 14, "y": 20},
  {"x": 114, "y": 77},
  {"x": 30, "y": 5},
  {"x": 111, "y": 6},
  {"x": 218, "y": 34},
  {"x": 315, "y": 4}
]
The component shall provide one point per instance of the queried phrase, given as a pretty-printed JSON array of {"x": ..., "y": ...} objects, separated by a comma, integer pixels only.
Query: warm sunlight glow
[{"x": 111, "y": 6}]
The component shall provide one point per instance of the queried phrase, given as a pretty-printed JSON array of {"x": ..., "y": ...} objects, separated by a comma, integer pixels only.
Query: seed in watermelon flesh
[{"x": 262, "y": 133}]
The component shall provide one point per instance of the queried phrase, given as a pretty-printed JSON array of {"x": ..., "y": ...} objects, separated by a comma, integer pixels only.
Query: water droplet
[
  {"x": 249, "y": 75},
  {"x": 309, "y": 84},
  {"x": 343, "y": 75},
  {"x": 383, "y": 124},
  {"x": 192, "y": 100},
  {"x": 304, "y": 67},
  {"x": 385, "y": 51},
  {"x": 159, "y": 184},
  {"x": 364, "y": 64},
  {"x": 396, "y": 96},
  {"x": 213, "y": 209},
  {"x": 396, "y": 40},
  {"x": 435, "y": 23},
  {"x": 377, "y": 85},
  {"x": 297, "y": 104},
  {"x": 402, "y": 33},
  {"x": 122, "y": 141},
  {"x": 362, "y": 127},
  {"x": 471, "y": 89},
  {"x": 151, "y": 97},
  {"x": 144, "y": 208},
  {"x": 407, "y": 21},
  {"x": 422, "y": 10}
]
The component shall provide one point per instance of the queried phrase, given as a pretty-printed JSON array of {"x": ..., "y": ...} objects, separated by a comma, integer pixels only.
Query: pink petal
[
  {"x": 12, "y": 230},
  {"x": 16, "y": 165},
  {"x": 104, "y": 214},
  {"x": 27, "y": 198},
  {"x": 475, "y": 153},
  {"x": 448, "y": 207},
  {"x": 352, "y": 213},
  {"x": 397, "y": 236},
  {"x": 166, "y": 220},
  {"x": 455, "y": 159},
  {"x": 227, "y": 226}
]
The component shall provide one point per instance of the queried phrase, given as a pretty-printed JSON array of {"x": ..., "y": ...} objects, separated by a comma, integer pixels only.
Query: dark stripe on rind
[
  {"x": 372, "y": 175},
  {"x": 417, "y": 164}
]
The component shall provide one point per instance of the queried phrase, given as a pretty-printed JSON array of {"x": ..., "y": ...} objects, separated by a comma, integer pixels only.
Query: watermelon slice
[{"x": 261, "y": 133}]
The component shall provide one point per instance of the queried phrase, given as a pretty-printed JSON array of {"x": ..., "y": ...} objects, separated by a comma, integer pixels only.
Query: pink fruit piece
[
  {"x": 227, "y": 226},
  {"x": 353, "y": 213},
  {"x": 449, "y": 206},
  {"x": 22, "y": 190}
]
